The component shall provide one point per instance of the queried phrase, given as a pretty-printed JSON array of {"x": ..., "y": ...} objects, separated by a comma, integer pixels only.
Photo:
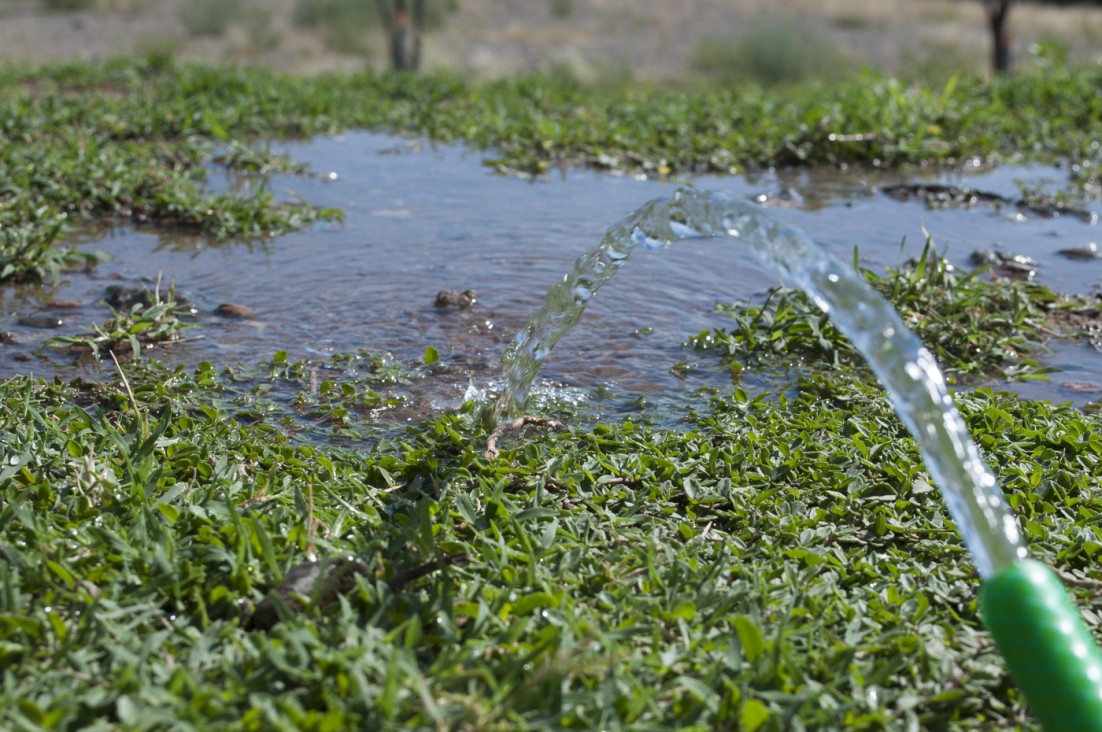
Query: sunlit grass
[{"x": 779, "y": 561}]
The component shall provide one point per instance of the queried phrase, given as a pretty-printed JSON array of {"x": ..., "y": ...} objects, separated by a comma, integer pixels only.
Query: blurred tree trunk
[
  {"x": 997, "y": 11},
  {"x": 403, "y": 32}
]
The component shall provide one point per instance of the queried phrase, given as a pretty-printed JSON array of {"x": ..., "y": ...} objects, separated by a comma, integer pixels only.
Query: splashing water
[{"x": 904, "y": 366}]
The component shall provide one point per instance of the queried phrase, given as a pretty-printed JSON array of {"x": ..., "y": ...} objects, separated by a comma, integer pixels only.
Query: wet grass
[
  {"x": 158, "y": 321},
  {"x": 781, "y": 562},
  {"x": 976, "y": 325},
  {"x": 778, "y": 561}
]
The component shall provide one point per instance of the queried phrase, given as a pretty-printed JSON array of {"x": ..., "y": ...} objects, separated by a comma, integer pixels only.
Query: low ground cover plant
[
  {"x": 180, "y": 549},
  {"x": 976, "y": 326},
  {"x": 781, "y": 561}
]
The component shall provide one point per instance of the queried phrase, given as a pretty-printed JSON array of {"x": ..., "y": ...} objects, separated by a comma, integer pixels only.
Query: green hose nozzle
[{"x": 1051, "y": 654}]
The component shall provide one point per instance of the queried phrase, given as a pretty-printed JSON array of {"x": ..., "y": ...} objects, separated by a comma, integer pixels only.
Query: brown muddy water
[{"x": 422, "y": 218}]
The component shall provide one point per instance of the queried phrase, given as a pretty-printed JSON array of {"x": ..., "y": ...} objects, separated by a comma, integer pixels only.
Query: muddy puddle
[{"x": 421, "y": 219}]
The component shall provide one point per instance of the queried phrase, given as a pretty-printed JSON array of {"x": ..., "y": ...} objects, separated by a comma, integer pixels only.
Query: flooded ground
[{"x": 421, "y": 219}]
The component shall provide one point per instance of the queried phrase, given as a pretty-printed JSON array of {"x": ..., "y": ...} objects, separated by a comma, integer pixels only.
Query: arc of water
[{"x": 903, "y": 365}]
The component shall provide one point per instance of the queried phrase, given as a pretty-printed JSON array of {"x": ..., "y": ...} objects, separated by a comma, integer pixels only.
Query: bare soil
[{"x": 639, "y": 40}]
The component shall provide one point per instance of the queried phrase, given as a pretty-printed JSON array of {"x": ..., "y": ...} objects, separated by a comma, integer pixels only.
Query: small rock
[
  {"x": 40, "y": 320},
  {"x": 1083, "y": 387},
  {"x": 1015, "y": 271},
  {"x": 7, "y": 337},
  {"x": 1090, "y": 251},
  {"x": 454, "y": 299},
  {"x": 65, "y": 304},
  {"x": 89, "y": 587},
  {"x": 320, "y": 582},
  {"x": 982, "y": 257},
  {"x": 124, "y": 297},
  {"x": 233, "y": 310}
]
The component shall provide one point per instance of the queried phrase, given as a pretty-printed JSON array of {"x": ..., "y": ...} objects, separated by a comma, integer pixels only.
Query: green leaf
[
  {"x": 528, "y": 603},
  {"x": 753, "y": 715},
  {"x": 684, "y": 610},
  {"x": 750, "y": 637}
]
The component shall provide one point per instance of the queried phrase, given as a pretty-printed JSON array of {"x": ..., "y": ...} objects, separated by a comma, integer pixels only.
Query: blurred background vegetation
[{"x": 638, "y": 41}]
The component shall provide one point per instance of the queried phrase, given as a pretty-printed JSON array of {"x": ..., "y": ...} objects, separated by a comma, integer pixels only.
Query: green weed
[
  {"x": 126, "y": 331},
  {"x": 131, "y": 141},
  {"x": 974, "y": 325},
  {"x": 780, "y": 562},
  {"x": 29, "y": 251}
]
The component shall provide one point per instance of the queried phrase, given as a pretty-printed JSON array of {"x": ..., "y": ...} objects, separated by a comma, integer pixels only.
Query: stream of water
[{"x": 907, "y": 370}]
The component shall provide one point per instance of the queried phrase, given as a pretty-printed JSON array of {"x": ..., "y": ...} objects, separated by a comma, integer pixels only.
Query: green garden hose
[{"x": 1051, "y": 654}]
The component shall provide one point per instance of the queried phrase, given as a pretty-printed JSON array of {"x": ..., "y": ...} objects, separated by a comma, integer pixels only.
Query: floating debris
[{"x": 943, "y": 195}]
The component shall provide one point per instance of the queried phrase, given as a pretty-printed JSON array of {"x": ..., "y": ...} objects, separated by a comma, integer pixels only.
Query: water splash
[{"x": 907, "y": 370}]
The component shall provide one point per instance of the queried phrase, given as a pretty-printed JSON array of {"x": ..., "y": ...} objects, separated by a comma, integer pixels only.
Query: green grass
[
  {"x": 69, "y": 5},
  {"x": 351, "y": 26},
  {"x": 779, "y": 559},
  {"x": 348, "y": 25},
  {"x": 975, "y": 327},
  {"x": 209, "y": 17},
  {"x": 773, "y": 50},
  {"x": 781, "y": 562}
]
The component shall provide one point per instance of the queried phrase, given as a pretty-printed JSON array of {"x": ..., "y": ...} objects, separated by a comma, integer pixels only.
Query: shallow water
[{"x": 423, "y": 218}]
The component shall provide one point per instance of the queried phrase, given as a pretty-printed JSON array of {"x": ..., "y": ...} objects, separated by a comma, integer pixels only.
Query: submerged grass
[
  {"x": 781, "y": 562},
  {"x": 156, "y": 321}
]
